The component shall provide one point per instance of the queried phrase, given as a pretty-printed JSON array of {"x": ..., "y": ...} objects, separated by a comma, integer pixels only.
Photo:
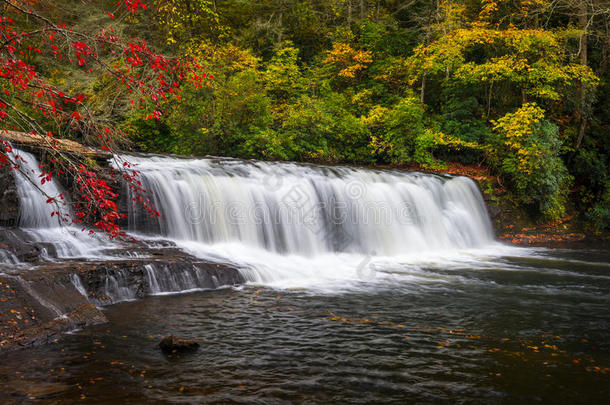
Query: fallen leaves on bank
[{"x": 542, "y": 238}]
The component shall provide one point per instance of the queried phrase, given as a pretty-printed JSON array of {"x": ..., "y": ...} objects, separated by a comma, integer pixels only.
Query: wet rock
[
  {"x": 39, "y": 303},
  {"x": 9, "y": 200},
  {"x": 173, "y": 344},
  {"x": 21, "y": 245},
  {"x": 37, "y": 389},
  {"x": 51, "y": 331}
]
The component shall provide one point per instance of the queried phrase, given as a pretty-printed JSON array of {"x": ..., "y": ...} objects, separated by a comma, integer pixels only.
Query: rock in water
[{"x": 173, "y": 344}]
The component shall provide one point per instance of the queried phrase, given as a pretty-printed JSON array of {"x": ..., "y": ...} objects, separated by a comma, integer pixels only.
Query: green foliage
[
  {"x": 401, "y": 135},
  {"x": 526, "y": 152},
  {"x": 322, "y": 129},
  {"x": 397, "y": 130},
  {"x": 599, "y": 214},
  {"x": 150, "y": 136},
  {"x": 407, "y": 83}
]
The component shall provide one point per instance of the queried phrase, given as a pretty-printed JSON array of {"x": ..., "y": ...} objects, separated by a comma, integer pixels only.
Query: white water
[
  {"x": 78, "y": 284},
  {"x": 35, "y": 214},
  {"x": 291, "y": 225},
  {"x": 159, "y": 279},
  {"x": 163, "y": 280}
]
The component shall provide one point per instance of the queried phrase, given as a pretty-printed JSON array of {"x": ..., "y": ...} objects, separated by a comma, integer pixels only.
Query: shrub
[{"x": 526, "y": 152}]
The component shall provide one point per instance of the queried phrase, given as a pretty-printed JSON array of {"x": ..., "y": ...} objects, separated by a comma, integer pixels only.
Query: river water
[{"x": 528, "y": 325}]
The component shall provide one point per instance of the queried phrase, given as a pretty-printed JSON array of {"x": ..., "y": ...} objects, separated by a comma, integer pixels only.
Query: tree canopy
[{"x": 518, "y": 86}]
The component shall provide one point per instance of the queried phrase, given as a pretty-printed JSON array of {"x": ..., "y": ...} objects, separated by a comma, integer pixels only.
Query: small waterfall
[
  {"x": 310, "y": 210},
  {"x": 8, "y": 257},
  {"x": 162, "y": 279},
  {"x": 78, "y": 284},
  {"x": 118, "y": 287},
  {"x": 37, "y": 221},
  {"x": 34, "y": 211},
  {"x": 151, "y": 279},
  {"x": 153, "y": 284}
]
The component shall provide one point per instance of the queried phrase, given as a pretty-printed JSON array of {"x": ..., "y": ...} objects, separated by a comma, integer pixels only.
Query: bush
[
  {"x": 399, "y": 135},
  {"x": 599, "y": 214},
  {"x": 395, "y": 130},
  {"x": 323, "y": 129},
  {"x": 526, "y": 152}
]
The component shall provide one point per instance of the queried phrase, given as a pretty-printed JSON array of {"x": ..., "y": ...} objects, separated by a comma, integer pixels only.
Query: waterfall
[
  {"x": 151, "y": 279},
  {"x": 285, "y": 224},
  {"x": 34, "y": 211},
  {"x": 35, "y": 214},
  {"x": 310, "y": 210},
  {"x": 291, "y": 224}
]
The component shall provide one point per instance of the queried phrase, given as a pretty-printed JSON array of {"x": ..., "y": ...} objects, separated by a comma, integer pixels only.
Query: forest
[{"x": 519, "y": 87}]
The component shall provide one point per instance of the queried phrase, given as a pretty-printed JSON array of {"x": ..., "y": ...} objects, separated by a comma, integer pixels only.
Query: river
[{"x": 528, "y": 327}]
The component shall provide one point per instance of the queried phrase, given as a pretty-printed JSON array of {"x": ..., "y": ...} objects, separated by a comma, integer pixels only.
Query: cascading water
[
  {"x": 284, "y": 220},
  {"x": 308, "y": 210},
  {"x": 35, "y": 214},
  {"x": 56, "y": 238},
  {"x": 281, "y": 223},
  {"x": 34, "y": 211}
]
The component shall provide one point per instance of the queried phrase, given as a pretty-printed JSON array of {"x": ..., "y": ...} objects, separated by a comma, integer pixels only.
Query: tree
[
  {"x": 184, "y": 21},
  {"x": 526, "y": 152},
  {"x": 30, "y": 39}
]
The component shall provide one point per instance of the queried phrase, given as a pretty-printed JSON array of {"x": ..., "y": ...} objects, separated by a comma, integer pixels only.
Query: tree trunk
[
  {"x": 422, "y": 94},
  {"x": 583, "y": 19},
  {"x": 491, "y": 88},
  {"x": 349, "y": 13},
  {"x": 280, "y": 28}
]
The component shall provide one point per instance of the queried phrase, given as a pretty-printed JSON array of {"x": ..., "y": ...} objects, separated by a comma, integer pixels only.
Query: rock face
[
  {"x": 37, "y": 310},
  {"x": 18, "y": 244},
  {"x": 38, "y": 303},
  {"x": 9, "y": 200},
  {"x": 175, "y": 344}
]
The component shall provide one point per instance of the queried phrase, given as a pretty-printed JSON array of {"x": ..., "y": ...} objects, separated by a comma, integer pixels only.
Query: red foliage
[{"x": 148, "y": 77}]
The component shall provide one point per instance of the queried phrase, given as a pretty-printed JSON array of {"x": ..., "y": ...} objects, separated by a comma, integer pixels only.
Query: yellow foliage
[
  {"x": 517, "y": 131},
  {"x": 535, "y": 59},
  {"x": 180, "y": 19},
  {"x": 348, "y": 60},
  {"x": 232, "y": 58},
  {"x": 520, "y": 7}
]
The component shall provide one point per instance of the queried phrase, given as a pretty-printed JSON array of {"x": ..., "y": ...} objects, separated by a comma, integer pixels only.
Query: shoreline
[{"x": 38, "y": 304}]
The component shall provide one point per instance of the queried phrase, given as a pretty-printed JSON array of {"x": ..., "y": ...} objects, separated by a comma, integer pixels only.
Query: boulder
[{"x": 174, "y": 344}]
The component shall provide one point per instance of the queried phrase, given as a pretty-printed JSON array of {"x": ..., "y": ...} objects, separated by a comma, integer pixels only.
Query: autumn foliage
[{"x": 29, "y": 103}]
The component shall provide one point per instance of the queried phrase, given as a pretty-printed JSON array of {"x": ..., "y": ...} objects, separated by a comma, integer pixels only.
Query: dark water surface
[{"x": 522, "y": 329}]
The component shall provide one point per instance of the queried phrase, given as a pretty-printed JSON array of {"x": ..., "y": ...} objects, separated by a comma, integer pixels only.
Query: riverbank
[
  {"x": 40, "y": 302},
  {"x": 515, "y": 226}
]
